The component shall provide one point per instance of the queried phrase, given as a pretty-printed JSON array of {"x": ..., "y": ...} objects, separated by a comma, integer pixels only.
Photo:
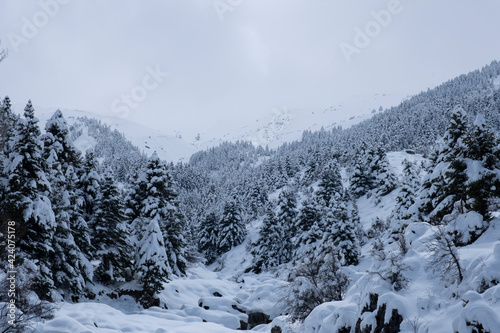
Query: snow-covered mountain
[
  {"x": 148, "y": 140},
  {"x": 271, "y": 129}
]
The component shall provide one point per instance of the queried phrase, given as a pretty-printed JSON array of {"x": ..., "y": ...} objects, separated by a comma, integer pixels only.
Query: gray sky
[{"x": 229, "y": 59}]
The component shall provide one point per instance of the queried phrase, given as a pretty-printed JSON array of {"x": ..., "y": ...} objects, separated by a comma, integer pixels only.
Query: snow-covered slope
[
  {"x": 218, "y": 298},
  {"x": 148, "y": 140},
  {"x": 272, "y": 129},
  {"x": 286, "y": 124}
]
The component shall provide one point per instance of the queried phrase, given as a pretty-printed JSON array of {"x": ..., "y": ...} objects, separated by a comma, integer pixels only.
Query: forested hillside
[{"x": 391, "y": 225}]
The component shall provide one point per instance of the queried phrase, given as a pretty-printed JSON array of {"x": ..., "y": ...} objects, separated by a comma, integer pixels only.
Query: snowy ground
[
  {"x": 210, "y": 299},
  {"x": 184, "y": 314},
  {"x": 223, "y": 296}
]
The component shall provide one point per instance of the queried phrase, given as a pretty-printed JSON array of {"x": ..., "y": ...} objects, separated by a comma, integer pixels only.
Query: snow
[
  {"x": 101, "y": 318},
  {"x": 496, "y": 82},
  {"x": 271, "y": 128},
  {"x": 213, "y": 299}
]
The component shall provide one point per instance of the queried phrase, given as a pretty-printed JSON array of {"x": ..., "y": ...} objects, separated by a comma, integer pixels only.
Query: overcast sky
[{"x": 231, "y": 59}]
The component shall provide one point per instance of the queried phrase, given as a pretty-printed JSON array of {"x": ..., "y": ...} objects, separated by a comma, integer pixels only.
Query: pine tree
[
  {"x": 285, "y": 217},
  {"x": 208, "y": 237},
  {"x": 7, "y": 122},
  {"x": 456, "y": 132},
  {"x": 330, "y": 183},
  {"x": 463, "y": 179},
  {"x": 89, "y": 186},
  {"x": 232, "y": 228},
  {"x": 361, "y": 178},
  {"x": 405, "y": 201},
  {"x": 443, "y": 188},
  {"x": 268, "y": 250},
  {"x": 340, "y": 234},
  {"x": 152, "y": 202},
  {"x": 483, "y": 147},
  {"x": 62, "y": 159},
  {"x": 384, "y": 179},
  {"x": 65, "y": 264},
  {"x": 162, "y": 200},
  {"x": 26, "y": 200},
  {"x": 151, "y": 261},
  {"x": 308, "y": 216},
  {"x": 111, "y": 237},
  {"x": 356, "y": 221}
]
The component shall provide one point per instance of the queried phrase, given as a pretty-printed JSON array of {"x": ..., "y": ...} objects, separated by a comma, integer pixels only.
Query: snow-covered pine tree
[
  {"x": 268, "y": 250},
  {"x": 111, "y": 237},
  {"x": 7, "y": 122},
  {"x": 79, "y": 227},
  {"x": 232, "y": 227},
  {"x": 330, "y": 184},
  {"x": 483, "y": 149},
  {"x": 308, "y": 215},
  {"x": 340, "y": 233},
  {"x": 310, "y": 230},
  {"x": 89, "y": 186},
  {"x": 464, "y": 179},
  {"x": 62, "y": 160},
  {"x": 384, "y": 179},
  {"x": 285, "y": 217},
  {"x": 443, "y": 188},
  {"x": 153, "y": 198},
  {"x": 256, "y": 199},
  {"x": 151, "y": 261},
  {"x": 361, "y": 180},
  {"x": 355, "y": 219},
  {"x": 163, "y": 201},
  {"x": 208, "y": 237},
  {"x": 66, "y": 263},
  {"x": 26, "y": 201},
  {"x": 405, "y": 208}
]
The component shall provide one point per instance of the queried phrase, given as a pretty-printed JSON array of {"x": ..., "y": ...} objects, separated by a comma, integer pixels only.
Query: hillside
[{"x": 387, "y": 225}]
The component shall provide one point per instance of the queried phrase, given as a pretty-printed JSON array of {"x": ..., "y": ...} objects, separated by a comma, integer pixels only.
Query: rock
[
  {"x": 276, "y": 329},
  {"x": 257, "y": 318}
]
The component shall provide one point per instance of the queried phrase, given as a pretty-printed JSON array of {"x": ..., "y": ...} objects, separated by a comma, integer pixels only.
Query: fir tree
[
  {"x": 405, "y": 201},
  {"x": 308, "y": 216},
  {"x": 111, "y": 237},
  {"x": 285, "y": 217},
  {"x": 361, "y": 179},
  {"x": 62, "y": 159},
  {"x": 7, "y": 122},
  {"x": 463, "y": 178},
  {"x": 208, "y": 237},
  {"x": 26, "y": 202},
  {"x": 340, "y": 234},
  {"x": 482, "y": 146},
  {"x": 232, "y": 228},
  {"x": 330, "y": 184},
  {"x": 384, "y": 179},
  {"x": 268, "y": 250},
  {"x": 151, "y": 261},
  {"x": 154, "y": 199},
  {"x": 89, "y": 186},
  {"x": 67, "y": 255},
  {"x": 443, "y": 188}
]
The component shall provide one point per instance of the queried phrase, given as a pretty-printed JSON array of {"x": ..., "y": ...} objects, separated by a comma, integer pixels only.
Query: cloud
[{"x": 263, "y": 55}]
